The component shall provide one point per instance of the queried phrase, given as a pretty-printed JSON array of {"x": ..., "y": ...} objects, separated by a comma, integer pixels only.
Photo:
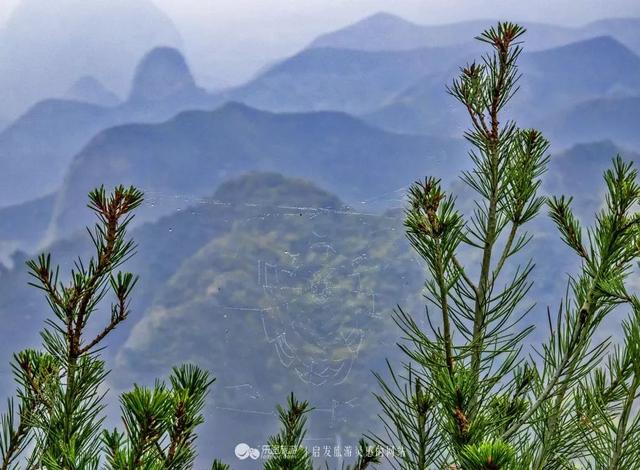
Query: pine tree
[
  {"x": 467, "y": 397},
  {"x": 287, "y": 447},
  {"x": 58, "y": 419},
  {"x": 160, "y": 423}
]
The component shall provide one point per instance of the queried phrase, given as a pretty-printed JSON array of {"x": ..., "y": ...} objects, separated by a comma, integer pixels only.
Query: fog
[
  {"x": 227, "y": 41},
  {"x": 238, "y": 37}
]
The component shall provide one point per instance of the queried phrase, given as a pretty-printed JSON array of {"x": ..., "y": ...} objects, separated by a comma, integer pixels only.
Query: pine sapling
[
  {"x": 57, "y": 422},
  {"x": 466, "y": 397}
]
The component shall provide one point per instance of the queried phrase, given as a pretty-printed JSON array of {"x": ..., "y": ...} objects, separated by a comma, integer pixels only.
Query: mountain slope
[
  {"x": 344, "y": 80},
  {"x": 23, "y": 226},
  {"x": 89, "y": 90},
  {"x": 624, "y": 30},
  {"x": 423, "y": 108},
  {"x": 192, "y": 153},
  {"x": 587, "y": 69},
  {"x": 577, "y": 172},
  {"x": 326, "y": 276},
  {"x": 307, "y": 284},
  {"x": 36, "y": 149},
  {"x": 616, "y": 119},
  {"x": 552, "y": 81}
]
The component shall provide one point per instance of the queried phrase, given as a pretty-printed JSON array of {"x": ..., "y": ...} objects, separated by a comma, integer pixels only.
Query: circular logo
[{"x": 244, "y": 451}]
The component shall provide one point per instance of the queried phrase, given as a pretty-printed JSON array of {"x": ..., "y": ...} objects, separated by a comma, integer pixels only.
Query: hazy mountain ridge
[
  {"x": 615, "y": 118},
  {"x": 385, "y": 31},
  {"x": 347, "y": 80},
  {"x": 196, "y": 150},
  {"x": 89, "y": 90},
  {"x": 553, "y": 81},
  {"x": 401, "y": 91},
  {"x": 35, "y": 151}
]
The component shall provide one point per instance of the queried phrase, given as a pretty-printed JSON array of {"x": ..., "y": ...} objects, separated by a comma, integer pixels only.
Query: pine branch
[
  {"x": 14, "y": 438},
  {"x": 63, "y": 383},
  {"x": 287, "y": 452},
  {"x": 621, "y": 432},
  {"x": 464, "y": 275}
]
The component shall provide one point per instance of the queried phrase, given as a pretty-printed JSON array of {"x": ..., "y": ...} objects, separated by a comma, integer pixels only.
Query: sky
[
  {"x": 244, "y": 35},
  {"x": 229, "y": 40},
  {"x": 332, "y": 12}
]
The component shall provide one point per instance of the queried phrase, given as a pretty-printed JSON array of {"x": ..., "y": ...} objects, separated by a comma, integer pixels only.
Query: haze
[{"x": 227, "y": 41}]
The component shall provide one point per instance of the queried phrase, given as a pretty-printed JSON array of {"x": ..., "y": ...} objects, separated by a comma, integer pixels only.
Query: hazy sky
[
  {"x": 234, "y": 30},
  {"x": 231, "y": 38},
  {"x": 333, "y": 12}
]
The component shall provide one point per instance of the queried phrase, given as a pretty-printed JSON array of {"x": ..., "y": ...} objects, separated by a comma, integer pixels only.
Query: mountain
[
  {"x": 36, "y": 149},
  {"x": 576, "y": 169},
  {"x": 401, "y": 91},
  {"x": 269, "y": 261},
  {"x": 603, "y": 118},
  {"x": 624, "y": 30},
  {"x": 352, "y": 81},
  {"x": 423, "y": 108},
  {"x": 23, "y": 226},
  {"x": 189, "y": 155},
  {"x": 384, "y": 31},
  {"x": 100, "y": 38},
  {"x": 163, "y": 74},
  {"x": 577, "y": 172},
  {"x": 553, "y": 81},
  {"x": 89, "y": 90},
  {"x": 563, "y": 76},
  {"x": 378, "y": 32},
  {"x": 404, "y": 90},
  {"x": 310, "y": 289}
]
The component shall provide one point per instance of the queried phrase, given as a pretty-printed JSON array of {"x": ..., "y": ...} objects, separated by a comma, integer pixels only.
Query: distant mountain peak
[
  {"x": 383, "y": 18},
  {"x": 602, "y": 41},
  {"x": 161, "y": 74},
  {"x": 269, "y": 188},
  {"x": 380, "y": 31},
  {"x": 90, "y": 90},
  {"x": 592, "y": 46},
  {"x": 239, "y": 107}
]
